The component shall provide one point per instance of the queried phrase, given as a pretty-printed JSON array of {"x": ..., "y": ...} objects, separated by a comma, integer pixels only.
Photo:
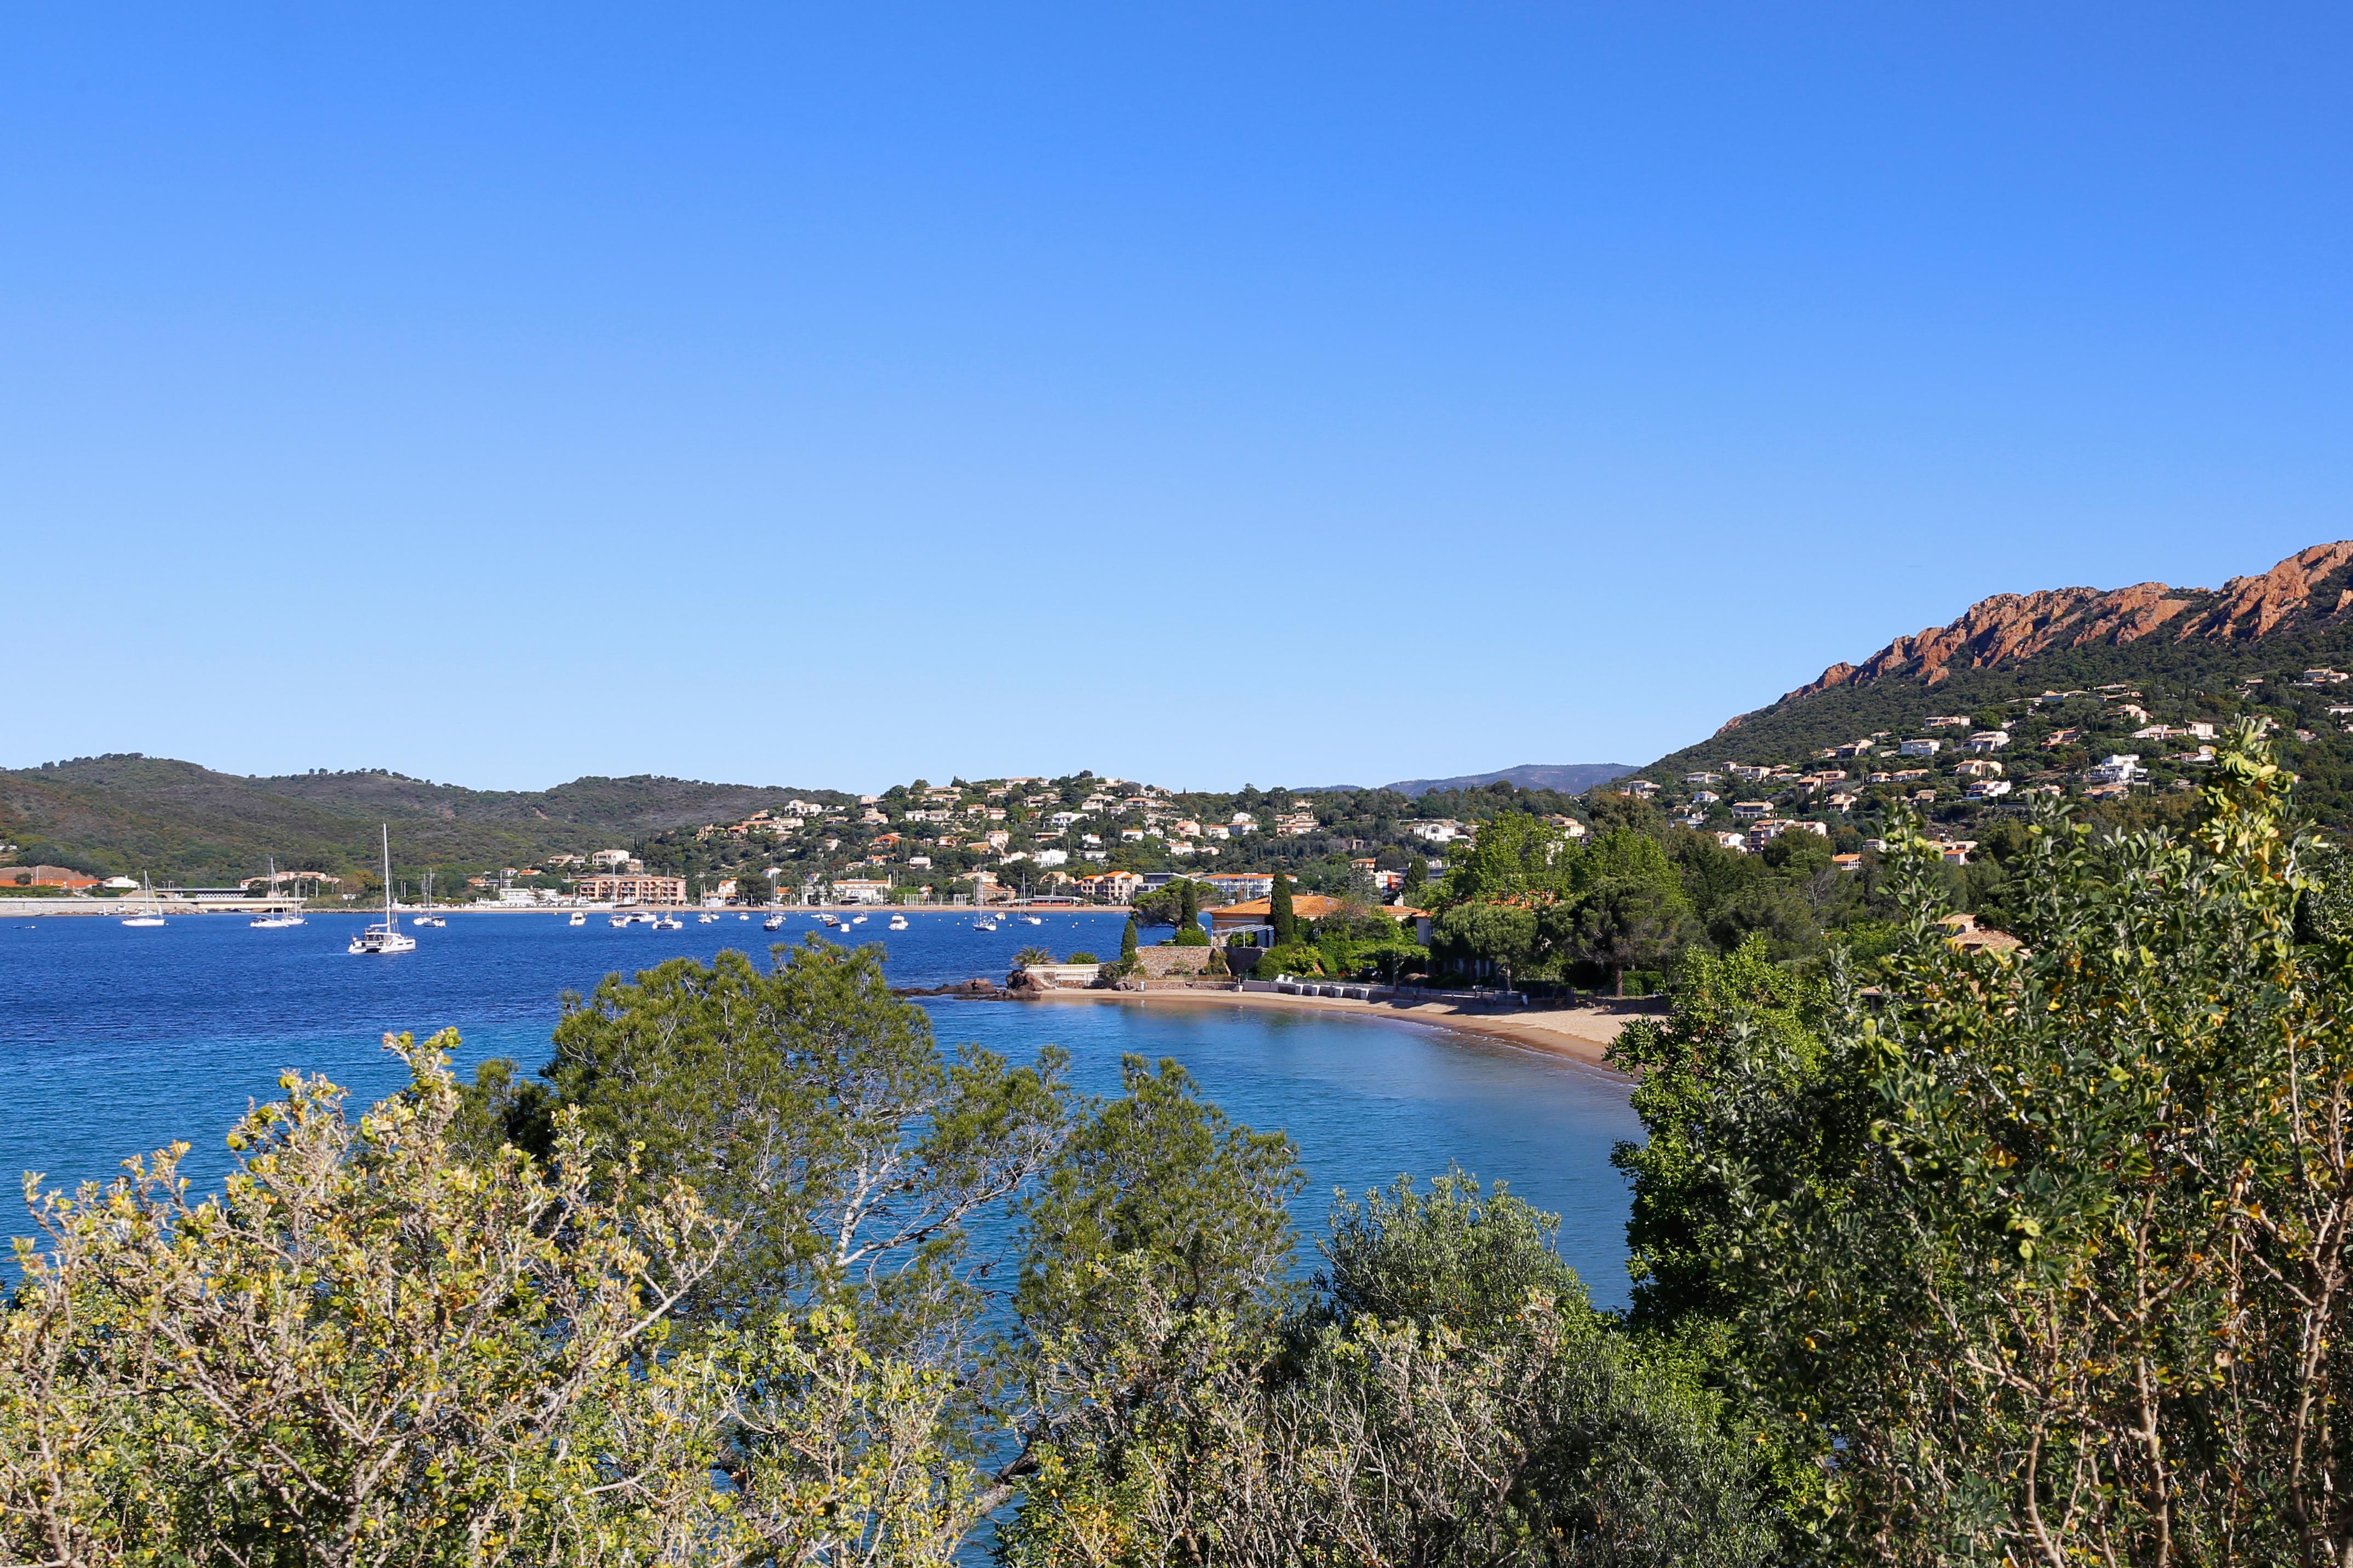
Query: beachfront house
[
  {"x": 1112, "y": 887},
  {"x": 624, "y": 887}
]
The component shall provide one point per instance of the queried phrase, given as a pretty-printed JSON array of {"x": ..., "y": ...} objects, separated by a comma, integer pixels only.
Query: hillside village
[
  {"x": 2103, "y": 745},
  {"x": 1083, "y": 838},
  {"x": 1089, "y": 838}
]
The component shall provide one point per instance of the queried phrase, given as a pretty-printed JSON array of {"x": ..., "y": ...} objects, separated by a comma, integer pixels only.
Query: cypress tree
[
  {"x": 1280, "y": 915},
  {"x": 1127, "y": 942},
  {"x": 1417, "y": 872}
]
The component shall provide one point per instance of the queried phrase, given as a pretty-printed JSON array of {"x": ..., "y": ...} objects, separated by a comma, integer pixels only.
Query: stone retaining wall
[{"x": 1159, "y": 962}]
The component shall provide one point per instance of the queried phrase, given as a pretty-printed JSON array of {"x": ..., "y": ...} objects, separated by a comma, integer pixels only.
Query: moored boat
[
  {"x": 153, "y": 915},
  {"x": 385, "y": 935}
]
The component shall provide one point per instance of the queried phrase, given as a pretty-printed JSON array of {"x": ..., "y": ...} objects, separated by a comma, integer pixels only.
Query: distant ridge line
[{"x": 1568, "y": 778}]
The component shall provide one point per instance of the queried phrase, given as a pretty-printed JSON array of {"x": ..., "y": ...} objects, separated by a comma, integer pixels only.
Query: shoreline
[
  {"x": 131, "y": 903},
  {"x": 1581, "y": 1035}
]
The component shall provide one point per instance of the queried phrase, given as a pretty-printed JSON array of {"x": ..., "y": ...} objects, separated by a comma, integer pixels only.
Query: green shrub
[{"x": 1298, "y": 958}]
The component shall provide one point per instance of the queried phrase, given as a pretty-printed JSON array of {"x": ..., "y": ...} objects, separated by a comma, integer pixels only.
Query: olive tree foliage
[
  {"x": 365, "y": 1350},
  {"x": 1447, "y": 1396},
  {"x": 2042, "y": 1259},
  {"x": 376, "y": 1349}
]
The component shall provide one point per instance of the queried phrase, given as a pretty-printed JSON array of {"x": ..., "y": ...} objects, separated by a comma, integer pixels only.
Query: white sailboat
[
  {"x": 428, "y": 918},
  {"x": 153, "y": 915},
  {"x": 386, "y": 935},
  {"x": 273, "y": 921}
]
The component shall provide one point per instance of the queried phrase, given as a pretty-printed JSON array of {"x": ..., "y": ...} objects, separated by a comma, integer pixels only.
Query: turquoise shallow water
[{"x": 114, "y": 1041}]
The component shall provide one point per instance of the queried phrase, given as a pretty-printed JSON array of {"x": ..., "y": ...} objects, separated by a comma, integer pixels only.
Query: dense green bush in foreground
[{"x": 1977, "y": 1256}]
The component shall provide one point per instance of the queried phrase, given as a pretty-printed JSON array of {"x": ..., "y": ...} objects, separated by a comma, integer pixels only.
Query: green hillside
[
  {"x": 2174, "y": 679},
  {"x": 185, "y": 824}
]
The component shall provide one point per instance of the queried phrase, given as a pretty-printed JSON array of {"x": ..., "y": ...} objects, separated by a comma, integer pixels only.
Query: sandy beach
[{"x": 1581, "y": 1034}]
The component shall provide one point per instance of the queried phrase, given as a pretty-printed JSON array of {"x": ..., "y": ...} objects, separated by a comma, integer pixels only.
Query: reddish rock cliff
[{"x": 2010, "y": 627}]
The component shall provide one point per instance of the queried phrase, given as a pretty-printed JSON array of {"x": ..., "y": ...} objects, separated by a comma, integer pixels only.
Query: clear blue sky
[{"x": 1201, "y": 393}]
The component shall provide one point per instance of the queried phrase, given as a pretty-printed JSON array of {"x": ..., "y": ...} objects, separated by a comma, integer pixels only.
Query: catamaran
[
  {"x": 773, "y": 922},
  {"x": 153, "y": 915},
  {"x": 385, "y": 936}
]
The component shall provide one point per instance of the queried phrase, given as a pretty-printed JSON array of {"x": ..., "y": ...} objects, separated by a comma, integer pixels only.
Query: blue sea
[{"x": 116, "y": 1041}]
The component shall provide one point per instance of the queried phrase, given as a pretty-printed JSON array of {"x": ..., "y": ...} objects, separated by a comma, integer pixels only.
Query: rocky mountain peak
[{"x": 2308, "y": 588}]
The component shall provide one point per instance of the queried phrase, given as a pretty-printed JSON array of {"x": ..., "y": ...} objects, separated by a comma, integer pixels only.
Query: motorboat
[
  {"x": 742, "y": 916},
  {"x": 385, "y": 935},
  {"x": 1033, "y": 919},
  {"x": 858, "y": 919},
  {"x": 578, "y": 919},
  {"x": 618, "y": 921},
  {"x": 705, "y": 919},
  {"x": 898, "y": 922}
]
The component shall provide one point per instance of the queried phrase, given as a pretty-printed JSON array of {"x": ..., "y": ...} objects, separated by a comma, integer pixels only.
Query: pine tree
[{"x": 1280, "y": 915}]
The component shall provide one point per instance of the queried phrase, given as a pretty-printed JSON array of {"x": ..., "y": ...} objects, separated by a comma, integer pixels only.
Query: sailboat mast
[{"x": 387, "y": 875}]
